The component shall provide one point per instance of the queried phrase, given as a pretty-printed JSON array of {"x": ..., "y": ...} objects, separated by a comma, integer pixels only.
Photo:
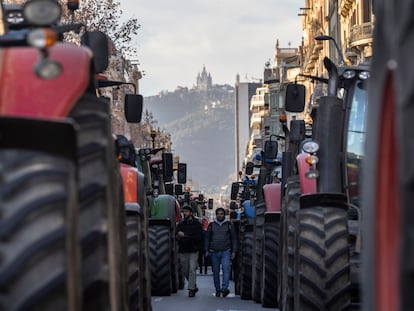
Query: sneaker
[
  {"x": 218, "y": 293},
  {"x": 191, "y": 293},
  {"x": 225, "y": 292}
]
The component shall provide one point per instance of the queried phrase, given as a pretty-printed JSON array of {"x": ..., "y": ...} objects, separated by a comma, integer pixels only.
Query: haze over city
[{"x": 229, "y": 37}]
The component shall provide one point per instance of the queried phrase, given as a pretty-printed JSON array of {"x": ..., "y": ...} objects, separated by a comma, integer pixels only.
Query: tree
[{"x": 106, "y": 16}]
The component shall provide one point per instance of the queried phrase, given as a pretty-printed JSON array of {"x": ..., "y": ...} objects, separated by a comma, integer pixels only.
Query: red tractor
[
  {"x": 61, "y": 201},
  {"x": 388, "y": 190},
  {"x": 319, "y": 255}
]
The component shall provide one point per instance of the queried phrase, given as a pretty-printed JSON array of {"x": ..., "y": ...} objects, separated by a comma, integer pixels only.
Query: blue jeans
[{"x": 221, "y": 258}]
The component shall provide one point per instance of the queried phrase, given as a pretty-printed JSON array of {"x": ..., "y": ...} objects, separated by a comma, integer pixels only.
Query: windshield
[{"x": 356, "y": 140}]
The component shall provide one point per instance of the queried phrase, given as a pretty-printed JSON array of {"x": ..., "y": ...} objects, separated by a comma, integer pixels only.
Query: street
[{"x": 205, "y": 299}]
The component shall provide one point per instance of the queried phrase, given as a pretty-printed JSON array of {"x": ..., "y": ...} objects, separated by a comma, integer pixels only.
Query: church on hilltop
[{"x": 204, "y": 81}]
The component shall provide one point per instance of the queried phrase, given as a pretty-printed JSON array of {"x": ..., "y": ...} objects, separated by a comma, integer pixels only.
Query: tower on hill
[{"x": 204, "y": 81}]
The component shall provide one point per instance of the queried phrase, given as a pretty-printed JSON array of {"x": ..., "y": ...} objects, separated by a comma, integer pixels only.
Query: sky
[{"x": 178, "y": 37}]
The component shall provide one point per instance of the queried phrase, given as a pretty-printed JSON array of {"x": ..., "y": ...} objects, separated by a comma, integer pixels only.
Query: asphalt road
[{"x": 205, "y": 299}]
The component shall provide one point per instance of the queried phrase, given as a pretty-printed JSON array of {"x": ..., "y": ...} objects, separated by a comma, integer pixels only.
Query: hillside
[{"x": 201, "y": 122}]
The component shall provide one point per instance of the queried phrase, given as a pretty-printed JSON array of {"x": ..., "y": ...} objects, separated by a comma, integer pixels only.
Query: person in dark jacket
[
  {"x": 190, "y": 243},
  {"x": 221, "y": 245}
]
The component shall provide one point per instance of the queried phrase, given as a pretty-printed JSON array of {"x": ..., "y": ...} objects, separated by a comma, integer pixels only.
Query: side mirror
[
  {"x": 178, "y": 189},
  {"x": 249, "y": 168},
  {"x": 234, "y": 190},
  {"x": 167, "y": 165},
  {"x": 98, "y": 43},
  {"x": 233, "y": 205},
  {"x": 210, "y": 204},
  {"x": 295, "y": 97},
  {"x": 270, "y": 148},
  {"x": 182, "y": 173},
  {"x": 133, "y": 108},
  {"x": 297, "y": 130},
  {"x": 169, "y": 189}
]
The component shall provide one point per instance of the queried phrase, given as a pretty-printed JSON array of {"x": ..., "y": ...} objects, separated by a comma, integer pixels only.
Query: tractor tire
[
  {"x": 39, "y": 247},
  {"x": 257, "y": 280},
  {"x": 160, "y": 257},
  {"x": 324, "y": 259},
  {"x": 246, "y": 268},
  {"x": 144, "y": 263},
  {"x": 181, "y": 277},
  {"x": 174, "y": 266},
  {"x": 133, "y": 231},
  {"x": 270, "y": 263},
  {"x": 101, "y": 208},
  {"x": 288, "y": 273}
]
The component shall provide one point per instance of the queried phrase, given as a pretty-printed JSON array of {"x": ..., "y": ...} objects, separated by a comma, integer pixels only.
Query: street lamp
[
  {"x": 153, "y": 135},
  {"x": 324, "y": 37}
]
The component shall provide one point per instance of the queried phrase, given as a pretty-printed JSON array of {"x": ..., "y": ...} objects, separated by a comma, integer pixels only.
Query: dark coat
[
  {"x": 220, "y": 237},
  {"x": 193, "y": 236}
]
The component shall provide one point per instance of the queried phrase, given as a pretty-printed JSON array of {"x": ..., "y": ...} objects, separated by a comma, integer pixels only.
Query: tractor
[
  {"x": 387, "y": 190},
  {"x": 163, "y": 213},
  {"x": 61, "y": 199},
  {"x": 320, "y": 217},
  {"x": 258, "y": 226}
]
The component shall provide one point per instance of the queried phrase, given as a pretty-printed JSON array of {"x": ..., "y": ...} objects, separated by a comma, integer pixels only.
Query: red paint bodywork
[
  {"x": 272, "y": 194},
  {"x": 23, "y": 94},
  {"x": 387, "y": 214},
  {"x": 307, "y": 185}
]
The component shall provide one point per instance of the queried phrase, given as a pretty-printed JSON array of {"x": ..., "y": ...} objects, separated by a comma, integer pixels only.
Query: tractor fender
[
  {"x": 133, "y": 208},
  {"x": 52, "y": 99},
  {"x": 272, "y": 217},
  {"x": 56, "y": 137},
  {"x": 164, "y": 207},
  {"x": 329, "y": 199},
  {"x": 272, "y": 193},
  {"x": 306, "y": 185}
]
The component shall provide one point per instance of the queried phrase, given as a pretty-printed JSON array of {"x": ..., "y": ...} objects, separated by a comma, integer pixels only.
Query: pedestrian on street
[
  {"x": 190, "y": 243},
  {"x": 221, "y": 245}
]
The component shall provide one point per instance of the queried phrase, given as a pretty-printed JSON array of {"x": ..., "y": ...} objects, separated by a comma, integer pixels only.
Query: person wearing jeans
[{"x": 221, "y": 245}]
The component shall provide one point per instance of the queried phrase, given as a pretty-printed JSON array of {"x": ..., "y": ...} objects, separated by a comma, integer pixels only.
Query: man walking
[
  {"x": 190, "y": 243},
  {"x": 221, "y": 244}
]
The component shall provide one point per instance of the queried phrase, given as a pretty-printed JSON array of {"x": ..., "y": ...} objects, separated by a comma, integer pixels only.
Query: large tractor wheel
[
  {"x": 174, "y": 265},
  {"x": 324, "y": 259},
  {"x": 181, "y": 277},
  {"x": 38, "y": 232},
  {"x": 246, "y": 268},
  {"x": 101, "y": 208},
  {"x": 288, "y": 273},
  {"x": 160, "y": 256},
  {"x": 133, "y": 235},
  {"x": 257, "y": 281},
  {"x": 144, "y": 262},
  {"x": 270, "y": 260}
]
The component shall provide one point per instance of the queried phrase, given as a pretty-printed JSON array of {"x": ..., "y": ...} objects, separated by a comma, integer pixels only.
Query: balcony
[
  {"x": 256, "y": 118},
  {"x": 361, "y": 35},
  {"x": 257, "y": 101}
]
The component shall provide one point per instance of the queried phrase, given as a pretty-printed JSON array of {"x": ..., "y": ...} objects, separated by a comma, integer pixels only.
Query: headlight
[
  {"x": 349, "y": 74},
  {"x": 42, "y": 38},
  {"x": 363, "y": 75},
  {"x": 47, "y": 69},
  {"x": 42, "y": 12},
  {"x": 310, "y": 146}
]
